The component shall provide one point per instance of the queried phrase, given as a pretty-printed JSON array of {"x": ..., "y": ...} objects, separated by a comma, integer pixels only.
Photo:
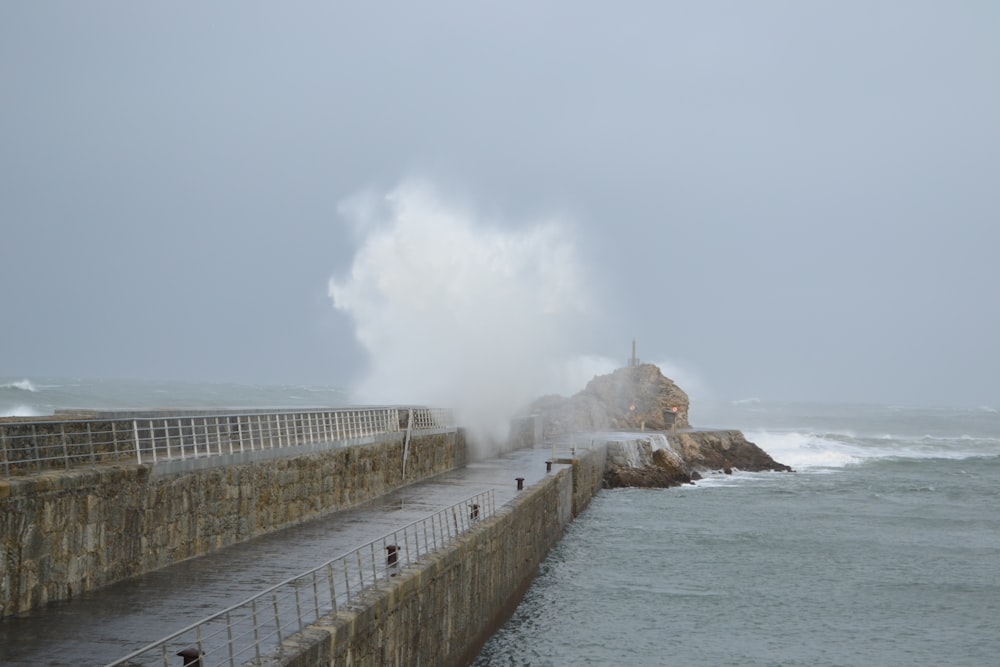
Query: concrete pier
[{"x": 102, "y": 625}]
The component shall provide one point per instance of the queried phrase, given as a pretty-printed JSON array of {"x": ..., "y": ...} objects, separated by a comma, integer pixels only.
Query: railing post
[
  {"x": 239, "y": 433},
  {"x": 229, "y": 633},
  {"x": 333, "y": 590},
  {"x": 315, "y": 595},
  {"x": 347, "y": 582},
  {"x": 135, "y": 435},
  {"x": 90, "y": 442},
  {"x": 65, "y": 447},
  {"x": 194, "y": 438},
  {"x": 277, "y": 616},
  {"x": 197, "y": 634},
  {"x": 298, "y": 605},
  {"x": 256, "y": 627},
  {"x": 218, "y": 438},
  {"x": 361, "y": 570},
  {"x": 152, "y": 439},
  {"x": 166, "y": 436},
  {"x": 34, "y": 442}
]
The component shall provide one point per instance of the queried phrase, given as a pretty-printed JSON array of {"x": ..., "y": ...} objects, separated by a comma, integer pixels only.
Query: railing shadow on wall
[
  {"x": 36, "y": 445},
  {"x": 257, "y": 626}
]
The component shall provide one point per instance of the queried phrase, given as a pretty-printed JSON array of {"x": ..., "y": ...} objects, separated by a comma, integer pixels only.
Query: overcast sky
[{"x": 790, "y": 200}]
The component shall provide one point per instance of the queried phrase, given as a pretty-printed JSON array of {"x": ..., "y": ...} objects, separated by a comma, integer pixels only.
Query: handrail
[
  {"x": 35, "y": 445},
  {"x": 258, "y": 625}
]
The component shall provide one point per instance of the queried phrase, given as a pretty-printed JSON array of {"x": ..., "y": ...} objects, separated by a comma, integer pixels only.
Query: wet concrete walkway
[{"x": 105, "y": 625}]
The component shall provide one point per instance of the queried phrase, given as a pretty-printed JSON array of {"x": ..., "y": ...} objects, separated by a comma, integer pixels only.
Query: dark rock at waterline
[
  {"x": 649, "y": 477},
  {"x": 689, "y": 456},
  {"x": 719, "y": 450},
  {"x": 636, "y": 463}
]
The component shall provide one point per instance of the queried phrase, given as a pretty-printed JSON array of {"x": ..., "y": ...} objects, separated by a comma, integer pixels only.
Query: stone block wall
[
  {"x": 63, "y": 533},
  {"x": 442, "y": 610}
]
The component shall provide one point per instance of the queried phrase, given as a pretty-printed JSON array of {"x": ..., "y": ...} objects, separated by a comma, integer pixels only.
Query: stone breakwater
[
  {"x": 64, "y": 533},
  {"x": 442, "y": 610}
]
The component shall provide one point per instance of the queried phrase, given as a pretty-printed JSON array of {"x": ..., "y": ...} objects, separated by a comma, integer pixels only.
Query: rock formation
[
  {"x": 652, "y": 444},
  {"x": 628, "y": 399}
]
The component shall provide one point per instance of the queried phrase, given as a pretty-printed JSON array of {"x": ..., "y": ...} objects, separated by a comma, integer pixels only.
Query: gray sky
[{"x": 790, "y": 200}]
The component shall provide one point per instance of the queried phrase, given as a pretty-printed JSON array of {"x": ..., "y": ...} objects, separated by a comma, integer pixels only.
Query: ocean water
[
  {"x": 33, "y": 397},
  {"x": 883, "y": 548}
]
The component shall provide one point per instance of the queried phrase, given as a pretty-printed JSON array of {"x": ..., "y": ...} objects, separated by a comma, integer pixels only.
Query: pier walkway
[{"x": 102, "y": 626}]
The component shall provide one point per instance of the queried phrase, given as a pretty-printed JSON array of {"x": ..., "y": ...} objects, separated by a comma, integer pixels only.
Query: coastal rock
[
  {"x": 630, "y": 398},
  {"x": 725, "y": 450},
  {"x": 641, "y": 399},
  {"x": 637, "y": 463}
]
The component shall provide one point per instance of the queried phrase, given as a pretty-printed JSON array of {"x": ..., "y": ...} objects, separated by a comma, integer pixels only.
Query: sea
[
  {"x": 882, "y": 548},
  {"x": 43, "y": 396}
]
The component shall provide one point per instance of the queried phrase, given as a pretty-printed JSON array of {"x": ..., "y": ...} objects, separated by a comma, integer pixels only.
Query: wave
[
  {"x": 746, "y": 401},
  {"x": 21, "y": 411},
  {"x": 23, "y": 385},
  {"x": 805, "y": 450}
]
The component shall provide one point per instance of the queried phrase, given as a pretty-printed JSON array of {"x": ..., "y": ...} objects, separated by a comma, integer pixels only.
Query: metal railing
[
  {"x": 243, "y": 633},
  {"x": 35, "y": 445}
]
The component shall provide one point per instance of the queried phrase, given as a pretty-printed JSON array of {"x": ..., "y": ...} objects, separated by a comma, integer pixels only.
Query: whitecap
[
  {"x": 746, "y": 401},
  {"x": 23, "y": 385}
]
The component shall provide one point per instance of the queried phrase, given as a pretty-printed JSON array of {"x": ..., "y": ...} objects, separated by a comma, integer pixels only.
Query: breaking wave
[
  {"x": 804, "y": 450},
  {"x": 23, "y": 385},
  {"x": 456, "y": 310}
]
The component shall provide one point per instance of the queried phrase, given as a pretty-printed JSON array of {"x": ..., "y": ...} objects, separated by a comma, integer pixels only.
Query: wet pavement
[{"x": 102, "y": 626}]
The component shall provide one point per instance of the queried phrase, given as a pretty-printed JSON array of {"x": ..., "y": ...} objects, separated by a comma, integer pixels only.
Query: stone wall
[
  {"x": 64, "y": 533},
  {"x": 442, "y": 610}
]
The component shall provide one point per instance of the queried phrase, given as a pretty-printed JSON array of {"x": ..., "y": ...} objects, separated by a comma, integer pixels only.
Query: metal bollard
[
  {"x": 192, "y": 657},
  {"x": 520, "y": 483},
  {"x": 548, "y": 466},
  {"x": 392, "y": 557},
  {"x": 474, "y": 513}
]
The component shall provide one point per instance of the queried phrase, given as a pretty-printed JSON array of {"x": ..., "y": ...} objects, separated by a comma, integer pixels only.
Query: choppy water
[
  {"x": 883, "y": 549},
  {"x": 30, "y": 397}
]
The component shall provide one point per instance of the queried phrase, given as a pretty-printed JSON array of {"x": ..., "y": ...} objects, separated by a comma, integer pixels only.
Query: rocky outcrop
[
  {"x": 630, "y": 398},
  {"x": 724, "y": 450},
  {"x": 649, "y": 461},
  {"x": 641, "y": 399}
]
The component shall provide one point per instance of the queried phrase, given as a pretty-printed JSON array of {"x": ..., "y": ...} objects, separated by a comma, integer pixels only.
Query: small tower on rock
[{"x": 633, "y": 360}]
